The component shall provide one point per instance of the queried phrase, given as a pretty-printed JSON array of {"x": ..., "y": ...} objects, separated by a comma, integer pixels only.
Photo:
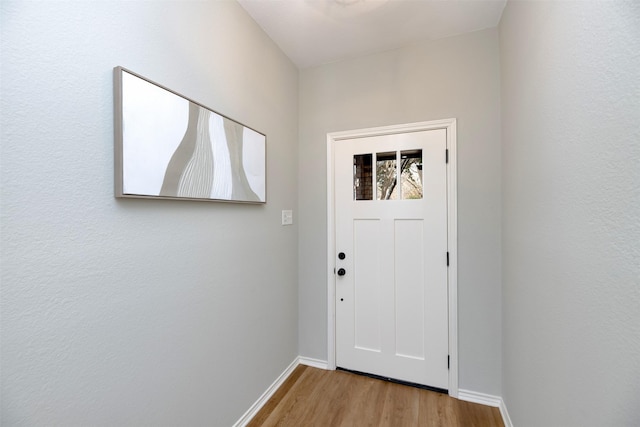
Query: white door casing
[{"x": 391, "y": 325}]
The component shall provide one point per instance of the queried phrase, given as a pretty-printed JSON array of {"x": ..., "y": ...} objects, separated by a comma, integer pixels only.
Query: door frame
[{"x": 452, "y": 233}]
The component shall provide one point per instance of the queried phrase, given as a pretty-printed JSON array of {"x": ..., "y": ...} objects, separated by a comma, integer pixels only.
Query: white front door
[{"x": 391, "y": 256}]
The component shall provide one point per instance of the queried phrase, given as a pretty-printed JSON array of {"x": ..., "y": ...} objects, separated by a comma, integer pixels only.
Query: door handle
[{"x": 342, "y": 272}]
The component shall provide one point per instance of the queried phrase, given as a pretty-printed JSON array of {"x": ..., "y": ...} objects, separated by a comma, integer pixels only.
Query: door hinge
[
  {"x": 447, "y": 259},
  {"x": 448, "y": 362},
  {"x": 446, "y": 155}
]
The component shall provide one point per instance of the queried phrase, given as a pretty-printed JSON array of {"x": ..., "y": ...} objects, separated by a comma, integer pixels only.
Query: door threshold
[{"x": 395, "y": 381}]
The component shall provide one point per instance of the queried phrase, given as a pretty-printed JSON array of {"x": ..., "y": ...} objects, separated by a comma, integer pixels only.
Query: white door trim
[{"x": 452, "y": 233}]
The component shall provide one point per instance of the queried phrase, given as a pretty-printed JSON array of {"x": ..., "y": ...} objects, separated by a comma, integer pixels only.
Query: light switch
[{"x": 287, "y": 217}]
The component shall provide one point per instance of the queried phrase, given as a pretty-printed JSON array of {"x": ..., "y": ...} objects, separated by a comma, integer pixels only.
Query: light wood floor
[{"x": 315, "y": 397}]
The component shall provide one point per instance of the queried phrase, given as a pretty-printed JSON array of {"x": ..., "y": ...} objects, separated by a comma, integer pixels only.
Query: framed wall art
[{"x": 170, "y": 147}]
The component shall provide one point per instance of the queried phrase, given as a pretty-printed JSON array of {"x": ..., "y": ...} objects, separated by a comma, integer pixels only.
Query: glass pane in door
[
  {"x": 363, "y": 177},
  {"x": 386, "y": 176},
  {"x": 411, "y": 174}
]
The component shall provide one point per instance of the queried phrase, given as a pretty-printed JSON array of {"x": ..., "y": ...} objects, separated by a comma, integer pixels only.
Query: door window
[
  {"x": 411, "y": 174},
  {"x": 387, "y": 175},
  {"x": 363, "y": 177}
]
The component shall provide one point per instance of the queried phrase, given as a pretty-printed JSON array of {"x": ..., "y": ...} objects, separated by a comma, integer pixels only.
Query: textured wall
[
  {"x": 138, "y": 312},
  {"x": 455, "y": 77},
  {"x": 571, "y": 209}
]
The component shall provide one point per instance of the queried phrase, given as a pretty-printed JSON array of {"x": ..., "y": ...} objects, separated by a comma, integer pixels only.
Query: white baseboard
[
  {"x": 248, "y": 416},
  {"x": 314, "y": 363},
  {"x": 488, "y": 400},
  {"x": 481, "y": 398},
  {"x": 505, "y": 415}
]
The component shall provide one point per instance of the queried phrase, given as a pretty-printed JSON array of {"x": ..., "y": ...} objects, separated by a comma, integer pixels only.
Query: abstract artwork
[{"x": 170, "y": 147}]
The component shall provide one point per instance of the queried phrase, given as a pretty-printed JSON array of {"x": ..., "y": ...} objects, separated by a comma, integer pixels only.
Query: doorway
[{"x": 392, "y": 299}]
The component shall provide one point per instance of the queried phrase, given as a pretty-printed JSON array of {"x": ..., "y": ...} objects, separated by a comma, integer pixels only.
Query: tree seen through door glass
[
  {"x": 411, "y": 174},
  {"x": 386, "y": 176}
]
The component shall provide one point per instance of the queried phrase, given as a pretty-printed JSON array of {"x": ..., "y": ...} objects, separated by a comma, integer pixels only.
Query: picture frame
[{"x": 168, "y": 146}]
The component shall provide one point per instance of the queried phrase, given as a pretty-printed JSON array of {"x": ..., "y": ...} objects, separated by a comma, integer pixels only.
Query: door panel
[
  {"x": 391, "y": 222},
  {"x": 367, "y": 286},
  {"x": 409, "y": 289}
]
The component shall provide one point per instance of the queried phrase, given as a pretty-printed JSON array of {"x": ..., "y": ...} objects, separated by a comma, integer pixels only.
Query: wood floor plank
[
  {"x": 367, "y": 399},
  {"x": 288, "y": 410},
  {"x": 400, "y": 406},
  {"x": 315, "y": 397},
  {"x": 277, "y": 397},
  {"x": 432, "y": 410}
]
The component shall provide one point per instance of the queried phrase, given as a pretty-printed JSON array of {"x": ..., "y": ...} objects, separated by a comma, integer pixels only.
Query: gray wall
[
  {"x": 571, "y": 209},
  {"x": 138, "y": 312},
  {"x": 455, "y": 77}
]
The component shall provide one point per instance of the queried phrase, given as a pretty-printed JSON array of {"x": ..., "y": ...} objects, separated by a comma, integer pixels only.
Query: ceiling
[{"x": 314, "y": 32}]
